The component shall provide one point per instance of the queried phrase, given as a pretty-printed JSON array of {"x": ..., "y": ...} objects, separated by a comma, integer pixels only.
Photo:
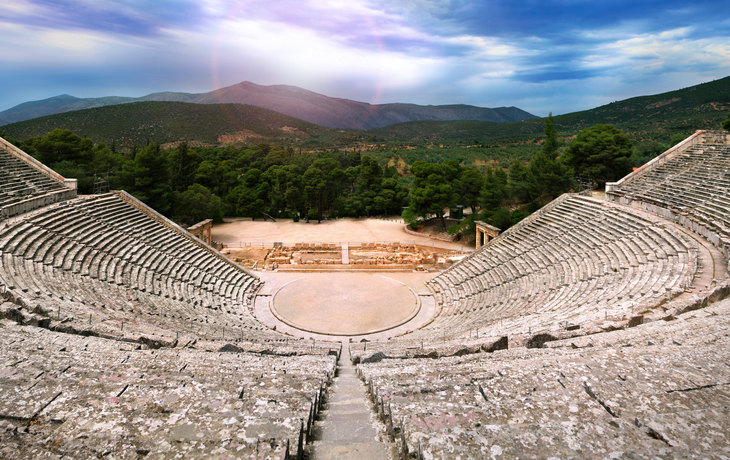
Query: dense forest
[{"x": 189, "y": 184}]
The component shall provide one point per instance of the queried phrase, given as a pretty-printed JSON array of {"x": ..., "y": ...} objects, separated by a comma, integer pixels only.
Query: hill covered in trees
[
  {"x": 646, "y": 119},
  {"x": 195, "y": 161},
  {"x": 137, "y": 123},
  {"x": 290, "y": 100},
  {"x": 190, "y": 184},
  {"x": 653, "y": 123}
]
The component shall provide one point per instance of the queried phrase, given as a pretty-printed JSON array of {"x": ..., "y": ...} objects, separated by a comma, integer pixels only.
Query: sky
[{"x": 544, "y": 56}]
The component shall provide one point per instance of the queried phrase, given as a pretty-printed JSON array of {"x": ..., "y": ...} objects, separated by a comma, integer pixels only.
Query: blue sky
[{"x": 541, "y": 56}]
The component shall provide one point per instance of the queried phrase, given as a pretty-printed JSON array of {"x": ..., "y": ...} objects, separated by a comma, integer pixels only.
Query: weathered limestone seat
[
  {"x": 25, "y": 184},
  {"x": 68, "y": 259},
  {"x": 84, "y": 397},
  {"x": 656, "y": 390},
  {"x": 575, "y": 262},
  {"x": 22, "y": 183},
  {"x": 688, "y": 184}
]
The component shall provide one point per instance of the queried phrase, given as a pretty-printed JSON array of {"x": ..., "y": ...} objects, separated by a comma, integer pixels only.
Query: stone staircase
[{"x": 347, "y": 427}]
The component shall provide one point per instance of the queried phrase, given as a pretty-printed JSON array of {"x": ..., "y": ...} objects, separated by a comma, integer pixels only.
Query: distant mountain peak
[{"x": 290, "y": 100}]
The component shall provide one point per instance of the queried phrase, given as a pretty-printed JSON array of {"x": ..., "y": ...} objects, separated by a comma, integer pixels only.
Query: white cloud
[
  {"x": 374, "y": 51},
  {"x": 20, "y": 8},
  {"x": 668, "y": 51},
  {"x": 306, "y": 58}
]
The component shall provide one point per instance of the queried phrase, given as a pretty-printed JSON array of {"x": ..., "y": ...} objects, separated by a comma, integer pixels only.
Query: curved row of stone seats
[
  {"x": 690, "y": 185},
  {"x": 623, "y": 397},
  {"x": 690, "y": 329},
  {"x": 376, "y": 351},
  {"x": 695, "y": 180},
  {"x": 20, "y": 180},
  {"x": 99, "y": 263},
  {"x": 576, "y": 261},
  {"x": 70, "y": 396}
]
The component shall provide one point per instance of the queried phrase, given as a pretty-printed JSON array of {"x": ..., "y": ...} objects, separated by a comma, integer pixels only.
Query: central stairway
[{"x": 347, "y": 427}]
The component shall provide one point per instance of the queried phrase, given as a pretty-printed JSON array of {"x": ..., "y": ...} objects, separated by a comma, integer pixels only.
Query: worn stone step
[
  {"x": 347, "y": 426},
  {"x": 355, "y": 450}
]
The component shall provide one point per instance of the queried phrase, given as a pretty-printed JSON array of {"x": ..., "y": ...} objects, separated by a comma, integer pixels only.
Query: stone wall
[
  {"x": 202, "y": 230},
  {"x": 393, "y": 255},
  {"x": 441, "y": 236},
  {"x": 385, "y": 254}
]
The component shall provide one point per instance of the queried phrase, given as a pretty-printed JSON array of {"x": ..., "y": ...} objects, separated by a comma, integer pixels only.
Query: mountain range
[
  {"x": 290, "y": 100},
  {"x": 644, "y": 118}
]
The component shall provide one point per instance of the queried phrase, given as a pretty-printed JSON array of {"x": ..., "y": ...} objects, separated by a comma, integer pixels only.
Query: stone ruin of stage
[{"x": 353, "y": 256}]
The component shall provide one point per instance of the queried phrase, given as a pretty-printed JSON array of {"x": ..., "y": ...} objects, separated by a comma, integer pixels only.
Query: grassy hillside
[
  {"x": 645, "y": 118},
  {"x": 136, "y": 123}
]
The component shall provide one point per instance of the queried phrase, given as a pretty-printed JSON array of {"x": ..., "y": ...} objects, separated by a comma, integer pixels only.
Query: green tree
[
  {"x": 151, "y": 178},
  {"x": 393, "y": 195},
  {"x": 285, "y": 188},
  {"x": 61, "y": 145},
  {"x": 66, "y": 153},
  {"x": 248, "y": 202},
  {"x": 522, "y": 185},
  {"x": 550, "y": 145},
  {"x": 228, "y": 174},
  {"x": 368, "y": 186},
  {"x": 726, "y": 123},
  {"x": 517, "y": 216},
  {"x": 206, "y": 174},
  {"x": 294, "y": 200},
  {"x": 645, "y": 152},
  {"x": 452, "y": 171},
  {"x": 677, "y": 138},
  {"x": 470, "y": 186},
  {"x": 547, "y": 174},
  {"x": 105, "y": 159},
  {"x": 410, "y": 218},
  {"x": 183, "y": 167},
  {"x": 549, "y": 177},
  {"x": 78, "y": 172},
  {"x": 431, "y": 191},
  {"x": 493, "y": 190},
  {"x": 322, "y": 182},
  {"x": 196, "y": 204},
  {"x": 502, "y": 219},
  {"x": 500, "y": 175},
  {"x": 602, "y": 152},
  {"x": 252, "y": 196}
]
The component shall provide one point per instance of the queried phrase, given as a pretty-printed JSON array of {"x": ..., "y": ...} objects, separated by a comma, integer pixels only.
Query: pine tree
[
  {"x": 602, "y": 152},
  {"x": 151, "y": 176},
  {"x": 183, "y": 166}
]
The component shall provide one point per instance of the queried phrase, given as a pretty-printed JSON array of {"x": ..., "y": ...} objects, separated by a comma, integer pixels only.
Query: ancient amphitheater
[{"x": 592, "y": 329}]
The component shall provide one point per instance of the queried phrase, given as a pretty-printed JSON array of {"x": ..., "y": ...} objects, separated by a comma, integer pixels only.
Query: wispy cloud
[
  {"x": 134, "y": 18},
  {"x": 552, "y": 55}
]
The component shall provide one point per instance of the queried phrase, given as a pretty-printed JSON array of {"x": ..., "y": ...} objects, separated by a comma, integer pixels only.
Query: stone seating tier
[
  {"x": 656, "y": 390},
  {"x": 579, "y": 261},
  {"x": 690, "y": 187},
  {"x": 99, "y": 264},
  {"x": 20, "y": 181},
  {"x": 84, "y": 397}
]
